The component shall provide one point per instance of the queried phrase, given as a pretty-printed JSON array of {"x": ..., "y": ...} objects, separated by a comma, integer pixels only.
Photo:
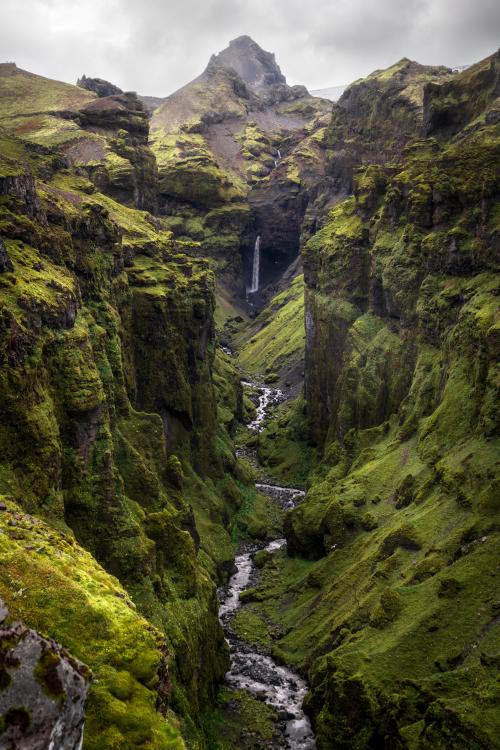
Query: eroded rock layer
[{"x": 401, "y": 369}]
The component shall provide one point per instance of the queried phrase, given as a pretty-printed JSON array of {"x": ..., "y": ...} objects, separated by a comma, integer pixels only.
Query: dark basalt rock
[
  {"x": 124, "y": 111},
  {"x": 98, "y": 85},
  {"x": 256, "y": 67},
  {"x": 5, "y": 261},
  {"x": 22, "y": 187},
  {"x": 451, "y": 105},
  {"x": 124, "y": 117},
  {"x": 43, "y": 690}
]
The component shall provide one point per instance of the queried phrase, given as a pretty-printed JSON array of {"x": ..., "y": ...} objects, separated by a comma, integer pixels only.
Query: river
[{"x": 280, "y": 687}]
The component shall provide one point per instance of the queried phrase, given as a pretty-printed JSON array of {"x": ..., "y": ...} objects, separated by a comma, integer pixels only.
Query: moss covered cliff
[
  {"x": 402, "y": 398},
  {"x": 110, "y": 427},
  {"x": 232, "y": 147}
]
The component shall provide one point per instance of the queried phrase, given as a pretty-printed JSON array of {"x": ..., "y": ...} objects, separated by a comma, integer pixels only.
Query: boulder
[{"x": 43, "y": 690}]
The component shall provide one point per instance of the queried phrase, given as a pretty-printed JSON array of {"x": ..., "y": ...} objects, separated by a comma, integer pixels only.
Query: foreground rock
[{"x": 43, "y": 690}]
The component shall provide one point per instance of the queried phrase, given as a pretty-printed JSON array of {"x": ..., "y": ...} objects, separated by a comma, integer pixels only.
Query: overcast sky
[{"x": 155, "y": 46}]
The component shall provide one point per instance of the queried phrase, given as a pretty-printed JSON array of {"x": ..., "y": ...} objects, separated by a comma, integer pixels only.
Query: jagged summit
[
  {"x": 98, "y": 85},
  {"x": 256, "y": 67},
  {"x": 406, "y": 69}
]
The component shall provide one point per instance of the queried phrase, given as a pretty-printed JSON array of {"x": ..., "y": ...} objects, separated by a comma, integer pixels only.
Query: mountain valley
[{"x": 249, "y": 363}]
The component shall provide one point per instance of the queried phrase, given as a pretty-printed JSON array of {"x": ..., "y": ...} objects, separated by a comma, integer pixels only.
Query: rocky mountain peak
[{"x": 256, "y": 67}]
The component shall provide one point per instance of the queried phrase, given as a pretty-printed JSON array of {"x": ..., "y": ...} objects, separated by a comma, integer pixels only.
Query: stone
[
  {"x": 5, "y": 261},
  {"x": 44, "y": 690},
  {"x": 99, "y": 86}
]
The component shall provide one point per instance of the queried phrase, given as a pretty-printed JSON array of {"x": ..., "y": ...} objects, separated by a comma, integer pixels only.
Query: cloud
[{"x": 155, "y": 46}]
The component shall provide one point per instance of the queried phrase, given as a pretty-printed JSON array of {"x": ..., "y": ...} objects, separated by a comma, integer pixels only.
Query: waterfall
[
  {"x": 279, "y": 154},
  {"x": 255, "y": 267}
]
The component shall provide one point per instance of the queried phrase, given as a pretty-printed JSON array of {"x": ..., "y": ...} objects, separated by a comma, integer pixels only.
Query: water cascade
[
  {"x": 255, "y": 267},
  {"x": 251, "y": 669}
]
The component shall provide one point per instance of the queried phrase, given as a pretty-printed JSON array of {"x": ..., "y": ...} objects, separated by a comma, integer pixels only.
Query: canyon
[{"x": 249, "y": 372}]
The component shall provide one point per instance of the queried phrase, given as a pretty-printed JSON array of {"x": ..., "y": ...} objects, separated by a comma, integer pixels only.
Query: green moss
[
  {"x": 275, "y": 340},
  {"x": 257, "y": 518},
  {"x": 387, "y": 610},
  {"x": 188, "y": 170},
  {"x": 399, "y": 278},
  {"x": 17, "y": 716},
  {"x": 111, "y": 637},
  {"x": 26, "y": 93},
  {"x": 251, "y": 628},
  {"x": 241, "y": 721},
  {"x": 46, "y": 673},
  {"x": 284, "y": 448}
]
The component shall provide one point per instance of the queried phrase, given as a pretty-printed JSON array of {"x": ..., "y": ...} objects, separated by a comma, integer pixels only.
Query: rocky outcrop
[
  {"x": 99, "y": 86},
  {"x": 256, "y": 67},
  {"x": 450, "y": 107},
  {"x": 376, "y": 116},
  {"x": 43, "y": 690},
  {"x": 128, "y": 172},
  {"x": 5, "y": 261},
  {"x": 107, "y": 347},
  {"x": 120, "y": 111}
]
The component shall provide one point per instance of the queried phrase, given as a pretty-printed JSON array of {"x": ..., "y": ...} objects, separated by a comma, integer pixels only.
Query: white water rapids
[
  {"x": 280, "y": 687},
  {"x": 267, "y": 397}
]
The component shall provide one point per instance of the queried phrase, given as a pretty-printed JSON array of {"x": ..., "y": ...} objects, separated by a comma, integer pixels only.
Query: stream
[{"x": 278, "y": 686}]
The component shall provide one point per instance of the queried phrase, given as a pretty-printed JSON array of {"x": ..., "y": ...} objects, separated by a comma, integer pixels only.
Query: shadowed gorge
[{"x": 249, "y": 451}]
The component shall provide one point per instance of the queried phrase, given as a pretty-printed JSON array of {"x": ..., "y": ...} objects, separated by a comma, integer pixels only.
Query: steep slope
[
  {"x": 387, "y": 597},
  {"x": 228, "y": 169},
  {"x": 273, "y": 343},
  {"x": 398, "y": 619},
  {"x": 109, "y": 421},
  {"x": 103, "y": 137},
  {"x": 48, "y": 580}
]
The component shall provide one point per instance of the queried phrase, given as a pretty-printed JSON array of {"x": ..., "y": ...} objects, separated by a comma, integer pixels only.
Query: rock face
[
  {"x": 104, "y": 137},
  {"x": 344, "y": 261},
  {"x": 401, "y": 386},
  {"x": 376, "y": 116},
  {"x": 43, "y": 690},
  {"x": 5, "y": 261},
  {"x": 257, "y": 68},
  {"x": 129, "y": 171},
  {"x": 117, "y": 411},
  {"x": 230, "y": 162},
  {"x": 448, "y": 108},
  {"x": 62, "y": 591},
  {"x": 109, "y": 421},
  {"x": 99, "y": 86}
]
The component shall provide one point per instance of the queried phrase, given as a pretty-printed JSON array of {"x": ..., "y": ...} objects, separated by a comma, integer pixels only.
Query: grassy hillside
[
  {"x": 48, "y": 580},
  {"x": 273, "y": 343},
  {"x": 110, "y": 432},
  {"x": 388, "y": 599}
]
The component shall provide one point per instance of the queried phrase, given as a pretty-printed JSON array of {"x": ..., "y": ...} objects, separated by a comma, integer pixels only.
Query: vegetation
[
  {"x": 274, "y": 341},
  {"x": 122, "y": 498},
  {"x": 48, "y": 580},
  {"x": 401, "y": 286}
]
